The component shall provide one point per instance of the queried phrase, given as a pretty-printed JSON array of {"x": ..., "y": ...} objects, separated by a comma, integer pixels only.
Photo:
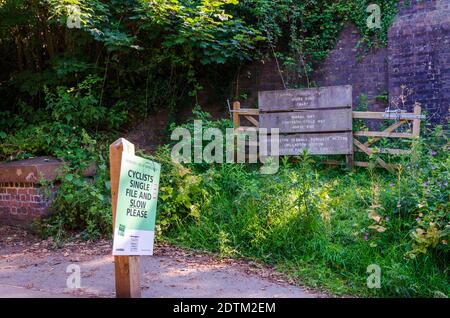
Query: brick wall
[
  {"x": 260, "y": 76},
  {"x": 22, "y": 198},
  {"x": 418, "y": 56},
  {"x": 345, "y": 65},
  {"x": 21, "y": 203}
]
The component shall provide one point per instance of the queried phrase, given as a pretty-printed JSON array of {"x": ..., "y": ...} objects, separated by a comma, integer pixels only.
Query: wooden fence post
[
  {"x": 349, "y": 160},
  {"x": 416, "y": 121},
  {"x": 236, "y": 119},
  {"x": 127, "y": 268}
]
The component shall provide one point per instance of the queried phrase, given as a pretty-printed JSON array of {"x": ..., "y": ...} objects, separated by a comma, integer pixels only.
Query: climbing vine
[
  {"x": 304, "y": 31},
  {"x": 166, "y": 46}
]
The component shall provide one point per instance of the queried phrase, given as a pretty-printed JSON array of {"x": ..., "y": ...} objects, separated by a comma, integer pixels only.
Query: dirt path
[{"x": 30, "y": 267}]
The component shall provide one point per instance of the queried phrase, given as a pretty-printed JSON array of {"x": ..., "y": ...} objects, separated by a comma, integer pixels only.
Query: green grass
[{"x": 312, "y": 224}]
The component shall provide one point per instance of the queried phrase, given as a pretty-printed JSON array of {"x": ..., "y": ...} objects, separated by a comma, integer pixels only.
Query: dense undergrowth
[
  {"x": 322, "y": 225},
  {"x": 318, "y": 224},
  {"x": 154, "y": 54},
  {"x": 74, "y": 95}
]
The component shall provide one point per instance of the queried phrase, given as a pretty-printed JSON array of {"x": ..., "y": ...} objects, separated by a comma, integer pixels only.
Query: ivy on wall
[{"x": 303, "y": 32}]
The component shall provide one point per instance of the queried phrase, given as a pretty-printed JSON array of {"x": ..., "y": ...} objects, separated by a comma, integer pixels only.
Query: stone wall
[
  {"x": 261, "y": 76},
  {"x": 22, "y": 200}
]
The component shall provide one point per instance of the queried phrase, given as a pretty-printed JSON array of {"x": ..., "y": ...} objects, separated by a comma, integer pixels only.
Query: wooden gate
[{"x": 401, "y": 118}]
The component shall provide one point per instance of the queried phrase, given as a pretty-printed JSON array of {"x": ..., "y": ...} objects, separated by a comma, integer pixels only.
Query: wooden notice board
[{"x": 317, "y": 119}]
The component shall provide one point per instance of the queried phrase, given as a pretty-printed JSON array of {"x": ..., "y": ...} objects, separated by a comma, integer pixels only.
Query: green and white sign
[{"x": 136, "y": 206}]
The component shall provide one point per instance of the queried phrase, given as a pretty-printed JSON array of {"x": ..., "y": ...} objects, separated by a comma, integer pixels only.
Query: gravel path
[{"x": 30, "y": 267}]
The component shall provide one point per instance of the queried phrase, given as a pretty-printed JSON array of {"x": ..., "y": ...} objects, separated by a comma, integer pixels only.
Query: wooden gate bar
[{"x": 374, "y": 136}]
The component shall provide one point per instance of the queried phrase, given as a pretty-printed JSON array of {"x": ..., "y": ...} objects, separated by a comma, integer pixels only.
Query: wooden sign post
[{"x": 127, "y": 268}]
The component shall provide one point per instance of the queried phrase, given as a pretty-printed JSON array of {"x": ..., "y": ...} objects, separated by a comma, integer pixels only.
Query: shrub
[
  {"x": 80, "y": 206},
  {"x": 325, "y": 226},
  {"x": 182, "y": 194}
]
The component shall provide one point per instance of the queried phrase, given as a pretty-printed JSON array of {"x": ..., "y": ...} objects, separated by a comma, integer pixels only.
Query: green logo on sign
[{"x": 121, "y": 230}]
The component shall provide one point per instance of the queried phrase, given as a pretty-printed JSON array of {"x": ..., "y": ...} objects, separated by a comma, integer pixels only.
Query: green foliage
[
  {"x": 68, "y": 128},
  {"x": 67, "y": 91},
  {"x": 206, "y": 123},
  {"x": 80, "y": 205},
  {"x": 75, "y": 128},
  {"x": 324, "y": 227},
  {"x": 142, "y": 55},
  {"x": 137, "y": 47},
  {"x": 80, "y": 107},
  {"x": 197, "y": 31},
  {"x": 429, "y": 204},
  {"x": 303, "y": 32},
  {"x": 373, "y": 37},
  {"x": 181, "y": 193}
]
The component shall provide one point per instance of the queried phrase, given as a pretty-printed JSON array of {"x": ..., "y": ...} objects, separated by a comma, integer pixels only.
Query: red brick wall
[{"x": 21, "y": 203}]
